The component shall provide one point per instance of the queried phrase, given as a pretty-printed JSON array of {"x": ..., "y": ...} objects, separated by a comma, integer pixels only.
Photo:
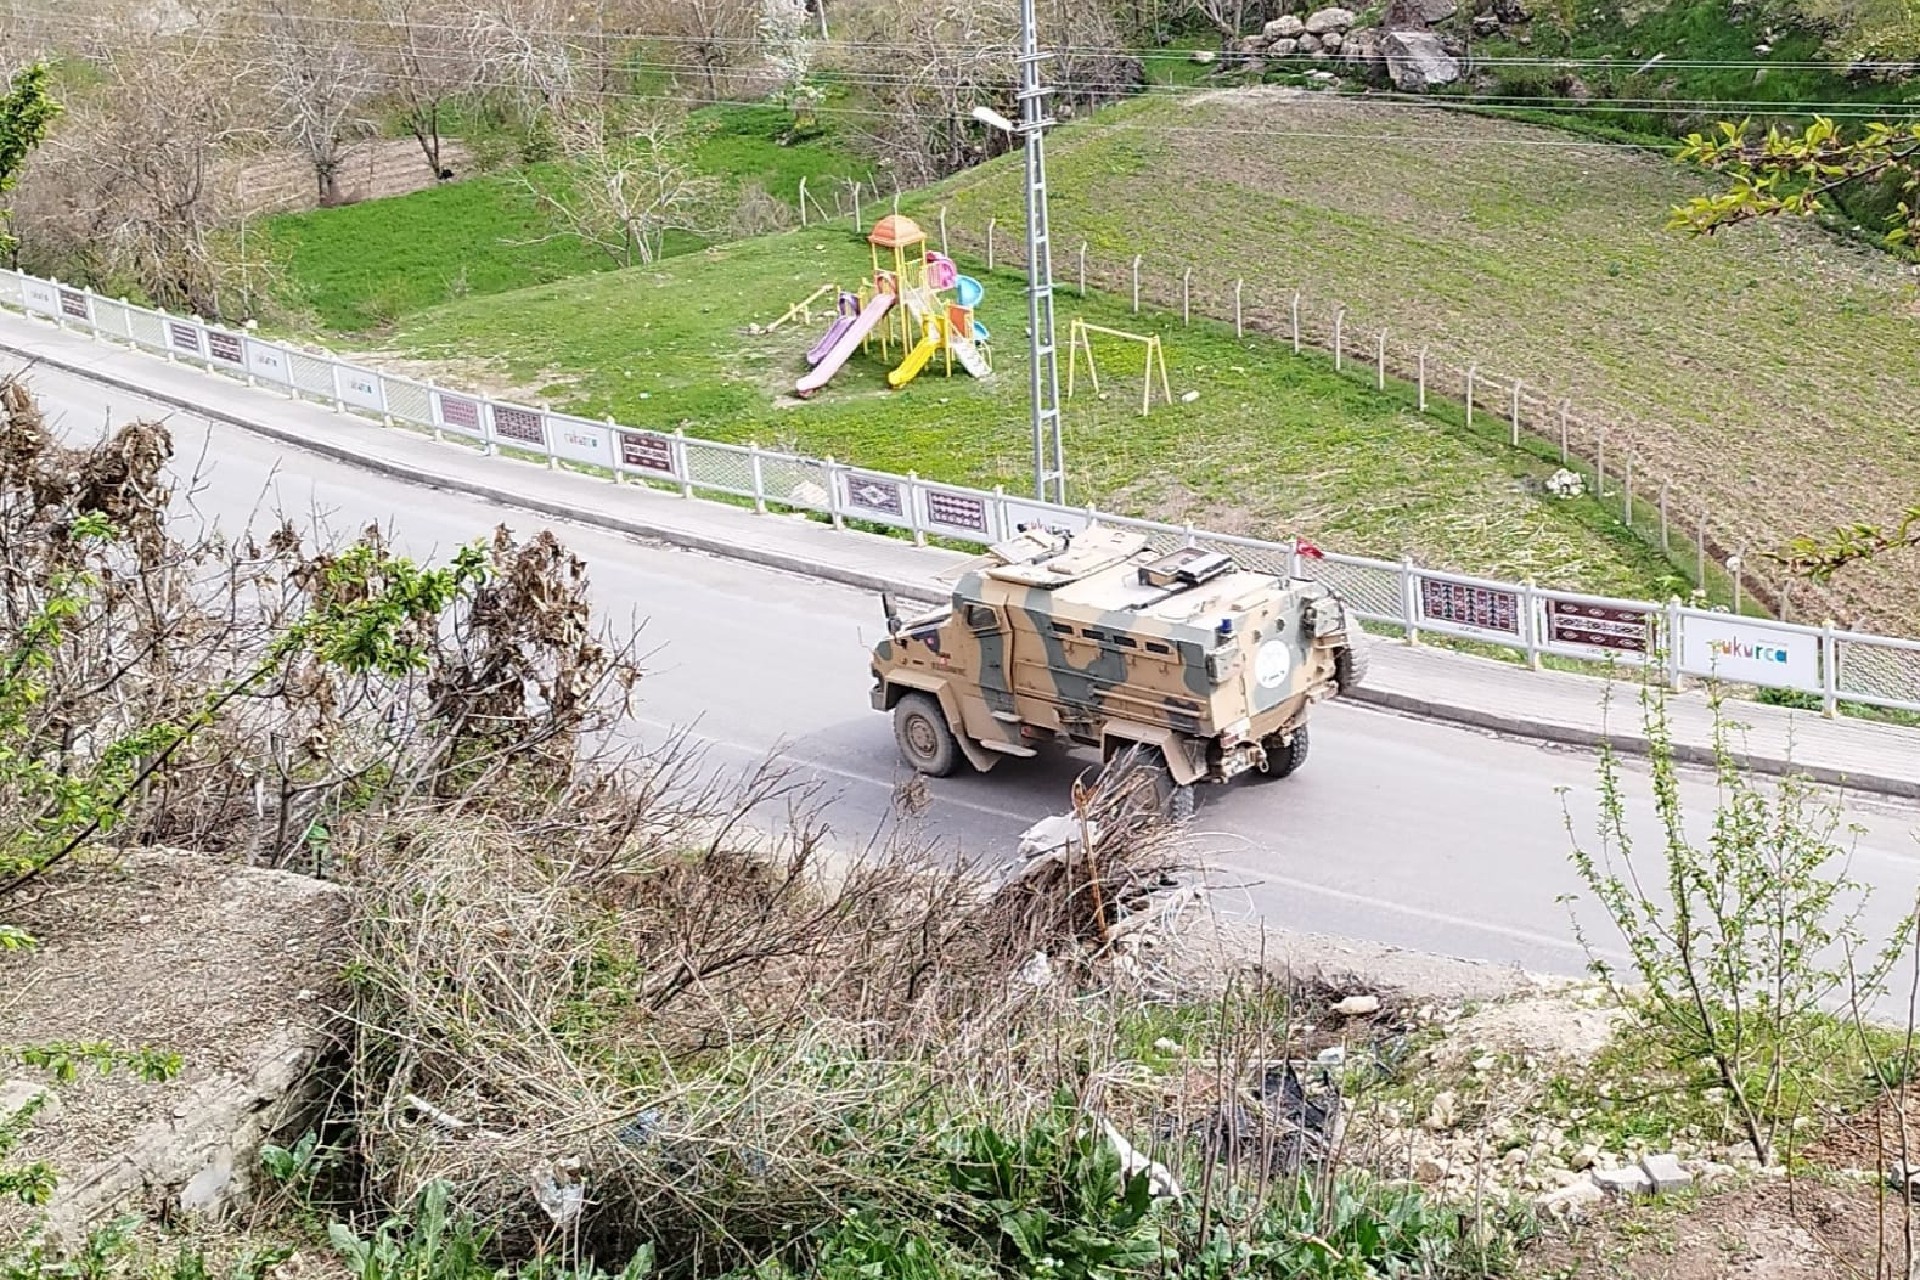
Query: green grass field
[
  {"x": 1765, "y": 372},
  {"x": 366, "y": 266},
  {"x": 1272, "y": 445}
]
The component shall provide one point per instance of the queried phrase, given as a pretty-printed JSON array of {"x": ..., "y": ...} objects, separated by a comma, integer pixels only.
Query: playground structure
[
  {"x": 803, "y": 309},
  {"x": 1079, "y": 339},
  {"x": 905, "y": 303}
]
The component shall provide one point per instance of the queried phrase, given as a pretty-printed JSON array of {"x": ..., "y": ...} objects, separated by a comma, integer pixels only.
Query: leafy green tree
[
  {"x": 26, "y": 113},
  {"x": 1800, "y": 173}
]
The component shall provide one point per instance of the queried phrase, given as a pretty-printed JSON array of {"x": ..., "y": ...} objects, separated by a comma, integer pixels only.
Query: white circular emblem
[{"x": 1273, "y": 664}]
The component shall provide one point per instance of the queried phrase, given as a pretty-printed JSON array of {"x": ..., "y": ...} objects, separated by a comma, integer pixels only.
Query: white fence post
[
  {"x": 1380, "y": 380},
  {"x": 913, "y": 504},
  {"x": 1674, "y": 680},
  {"x": 1629, "y": 502},
  {"x": 1472, "y": 371},
  {"x": 1565, "y": 455},
  {"x": 1829, "y": 671},
  {"x": 759, "y": 478},
  {"x": 992, "y": 223},
  {"x": 1083, "y": 268},
  {"x": 1410, "y": 599},
  {"x": 1186, "y": 296},
  {"x": 833, "y": 494},
  {"x": 1136, "y": 284},
  {"x": 1239, "y": 327},
  {"x": 619, "y": 454},
  {"x": 1600, "y": 467},
  {"x": 858, "y": 222},
  {"x": 803, "y": 200},
  {"x": 1666, "y": 543},
  {"x": 1516, "y": 413},
  {"x": 1423, "y": 379},
  {"x": 1339, "y": 329},
  {"x": 682, "y": 462},
  {"x": 1296, "y": 322},
  {"x": 943, "y": 230}
]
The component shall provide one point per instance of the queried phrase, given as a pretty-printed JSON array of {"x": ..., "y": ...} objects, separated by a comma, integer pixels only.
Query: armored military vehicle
[{"x": 1094, "y": 639}]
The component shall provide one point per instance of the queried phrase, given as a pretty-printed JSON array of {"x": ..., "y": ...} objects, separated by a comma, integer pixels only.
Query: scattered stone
[
  {"x": 1628, "y": 1181},
  {"x": 1584, "y": 1158},
  {"x": 1664, "y": 1173},
  {"x": 1742, "y": 1153},
  {"x": 1284, "y": 48},
  {"x": 16, "y": 1094},
  {"x": 1429, "y": 1170},
  {"x": 1711, "y": 1171},
  {"x": 1037, "y": 971},
  {"x": 1325, "y": 20},
  {"x": 1363, "y": 47},
  {"x": 1444, "y": 1113},
  {"x": 1417, "y": 61},
  {"x": 1204, "y": 57},
  {"x": 1164, "y": 1045},
  {"x": 1309, "y": 43},
  {"x": 1357, "y": 1006},
  {"x": 1287, "y": 28},
  {"x": 1332, "y": 1056},
  {"x": 1331, "y": 42},
  {"x": 1321, "y": 77},
  {"x": 1572, "y": 1200},
  {"x": 207, "y": 1189}
]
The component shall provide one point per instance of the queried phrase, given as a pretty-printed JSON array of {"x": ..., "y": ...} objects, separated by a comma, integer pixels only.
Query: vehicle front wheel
[
  {"x": 1350, "y": 665},
  {"x": 926, "y": 740},
  {"x": 1285, "y": 757}
]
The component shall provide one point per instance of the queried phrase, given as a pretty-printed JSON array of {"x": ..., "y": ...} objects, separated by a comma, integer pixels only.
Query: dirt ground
[
  {"x": 375, "y": 169},
  {"x": 1809, "y": 1229},
  {"x": 221, "y": 965}
]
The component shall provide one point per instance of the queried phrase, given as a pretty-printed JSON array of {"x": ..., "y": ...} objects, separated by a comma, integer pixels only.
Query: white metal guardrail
[{"x": 1832, "y": 665}]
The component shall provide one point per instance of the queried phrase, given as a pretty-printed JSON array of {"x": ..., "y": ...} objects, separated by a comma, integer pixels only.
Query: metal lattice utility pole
[{"x": 1049, "y": 451}]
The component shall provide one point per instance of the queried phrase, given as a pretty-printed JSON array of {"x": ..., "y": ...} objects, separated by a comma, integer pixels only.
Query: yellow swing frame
[{"x": 1079, "y": 339}]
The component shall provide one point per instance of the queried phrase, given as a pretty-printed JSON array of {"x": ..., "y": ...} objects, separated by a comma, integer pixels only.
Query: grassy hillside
[
  {"x": 1271, "y": 445},
  {"x": 1768, "y": 371},
  {"x": 368, "y": 265}
]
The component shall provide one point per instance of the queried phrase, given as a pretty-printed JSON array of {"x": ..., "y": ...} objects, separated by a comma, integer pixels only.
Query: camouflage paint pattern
[{"x": 1056, "y": 638}]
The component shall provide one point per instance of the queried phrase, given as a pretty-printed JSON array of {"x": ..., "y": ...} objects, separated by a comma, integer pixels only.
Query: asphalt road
[{"x": 1397, "y": 831}]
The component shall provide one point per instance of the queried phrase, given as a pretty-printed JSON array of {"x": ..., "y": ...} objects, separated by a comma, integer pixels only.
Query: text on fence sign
[{"x": 646, "y": 453}]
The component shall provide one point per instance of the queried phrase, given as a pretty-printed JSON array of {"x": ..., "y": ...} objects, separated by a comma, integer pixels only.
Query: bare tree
[
  {"x": 930, "y": 67},
  {"x": 710, "y": 39},
  {"x": 131, "y": 190},
  {"x": 627, "y": 180},
  {"x": 429, "y": 61},
  {"x": 1229, "y": 16},
  {"x": 523, "y": 43},
  {"x": 319, "y": 83}
]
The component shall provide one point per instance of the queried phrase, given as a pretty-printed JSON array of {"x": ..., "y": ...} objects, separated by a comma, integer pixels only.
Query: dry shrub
[
  {"x": 723, "y": 1036},
  {"x": 211, "y": 691}
]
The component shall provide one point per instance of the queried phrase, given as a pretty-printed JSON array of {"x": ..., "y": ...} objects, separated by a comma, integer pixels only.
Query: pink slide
[
  {"x": 829, "y": 364},
  {"x": 849, "y": 309}
]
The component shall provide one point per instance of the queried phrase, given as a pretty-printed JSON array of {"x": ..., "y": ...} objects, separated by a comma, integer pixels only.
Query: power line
[{"x": 1009, "y": 50}]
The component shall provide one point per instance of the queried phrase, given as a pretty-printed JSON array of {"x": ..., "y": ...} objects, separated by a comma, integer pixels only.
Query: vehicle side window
[{"x": 981, "y": 618}]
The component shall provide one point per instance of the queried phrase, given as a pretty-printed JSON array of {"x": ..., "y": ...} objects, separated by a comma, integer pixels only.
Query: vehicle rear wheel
[
  {"x": 926, "y": 740},
  {"x": 1350, "y": 666},
  {"x": 1175, "y": 801},
  {"x": 1285, "y": 757}
]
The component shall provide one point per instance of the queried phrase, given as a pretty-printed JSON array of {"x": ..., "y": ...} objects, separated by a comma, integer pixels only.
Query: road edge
[{"x": 810, "y": 567}]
